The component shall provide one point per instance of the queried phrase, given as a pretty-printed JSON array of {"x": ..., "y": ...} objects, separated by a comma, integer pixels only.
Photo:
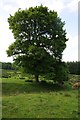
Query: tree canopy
[{"x": 40, "y": 39}]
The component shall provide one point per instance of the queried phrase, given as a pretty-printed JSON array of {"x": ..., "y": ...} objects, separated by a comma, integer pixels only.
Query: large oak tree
[{"x": 40, "y": 39}]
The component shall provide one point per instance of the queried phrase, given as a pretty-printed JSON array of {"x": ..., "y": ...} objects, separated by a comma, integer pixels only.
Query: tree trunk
[{"x": 37, "y": 78}]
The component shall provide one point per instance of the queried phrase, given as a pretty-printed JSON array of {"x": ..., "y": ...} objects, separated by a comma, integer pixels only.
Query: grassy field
[{"x": 38, "y": 100}]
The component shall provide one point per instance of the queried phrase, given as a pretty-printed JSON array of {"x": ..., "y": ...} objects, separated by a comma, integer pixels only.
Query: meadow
[{"x": 22, "y": 98}]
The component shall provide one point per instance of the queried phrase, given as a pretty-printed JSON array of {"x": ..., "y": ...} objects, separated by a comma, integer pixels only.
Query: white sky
[{"x": 67, "y": 10}]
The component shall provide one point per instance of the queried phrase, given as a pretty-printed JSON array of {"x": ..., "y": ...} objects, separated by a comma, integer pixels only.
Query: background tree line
[
  {"x": 7, "y": 66},
  {"x": 74, "y": 67}
]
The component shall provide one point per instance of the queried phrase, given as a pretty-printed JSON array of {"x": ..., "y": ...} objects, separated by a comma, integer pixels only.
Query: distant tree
[
  {"x": 74, "y": 67},
  {"x": 78, "y": 66},
  {"x": 7, "y": 66},
  {"x": 40, "y": 40}
]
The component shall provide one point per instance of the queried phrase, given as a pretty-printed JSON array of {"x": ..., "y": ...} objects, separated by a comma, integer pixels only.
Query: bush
[
  {"x": 61, "y": 72},
  {"x": 5, "y": 74}
]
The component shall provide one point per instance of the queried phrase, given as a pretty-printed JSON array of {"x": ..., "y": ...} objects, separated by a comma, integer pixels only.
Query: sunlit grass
[{"x": 35, "y": 100}]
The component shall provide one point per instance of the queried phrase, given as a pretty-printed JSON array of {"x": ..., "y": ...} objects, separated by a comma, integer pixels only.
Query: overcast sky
[{"x": 67, "y": 11}]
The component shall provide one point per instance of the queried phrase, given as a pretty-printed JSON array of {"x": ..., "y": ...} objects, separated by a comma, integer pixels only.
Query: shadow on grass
[{"x": 33, "y": 87}]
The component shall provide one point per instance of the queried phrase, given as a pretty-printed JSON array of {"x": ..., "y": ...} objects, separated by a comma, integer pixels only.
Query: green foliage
[
  {"x": 7, "y": 66},
  {"x": 61, "y": 72},
  {"x": 74, "y": 67},
  {"x": 7, "y": 73},
  {"x": 40, "y": 40}
]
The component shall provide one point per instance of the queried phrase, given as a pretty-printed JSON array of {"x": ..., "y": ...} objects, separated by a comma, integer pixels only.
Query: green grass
[{"x": 36, "y": 100}]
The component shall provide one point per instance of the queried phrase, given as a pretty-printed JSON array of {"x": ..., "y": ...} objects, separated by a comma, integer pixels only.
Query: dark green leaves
[{"x": 40, "y": 39}]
